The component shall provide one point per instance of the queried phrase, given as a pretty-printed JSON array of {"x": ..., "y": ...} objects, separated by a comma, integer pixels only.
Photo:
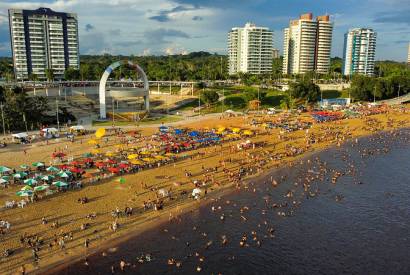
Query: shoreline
[{"x": 190, "y": 206}]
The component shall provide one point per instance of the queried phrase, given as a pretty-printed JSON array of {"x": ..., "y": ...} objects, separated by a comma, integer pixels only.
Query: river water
[{"x": 357, "y": 224}]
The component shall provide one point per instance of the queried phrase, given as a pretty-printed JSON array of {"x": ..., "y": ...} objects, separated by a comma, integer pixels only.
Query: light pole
[
  {"x": 58, "y": 121},
  {"x": 398, "y": 92},
  {"x": 113, "y": 112},
  {"x": 2, "y": 118}
]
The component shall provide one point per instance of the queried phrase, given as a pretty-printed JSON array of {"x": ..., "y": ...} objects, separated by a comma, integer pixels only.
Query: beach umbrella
[
  {"x": 123, "y": 165},
  {"x": 30, "y": 181},
  {"x": 26, "y": 187},
  {"x": 47, "y": 177},
  {"x": 41, "y": 187},
  {"x": 3, "y": 181},
  {"x": 4, "y": 169},
  {"x": 145, "y": 153},
  {"x": 111, "y": 161},
  {"x": 87, "y": 155},
  {"x": 87, "y": 175},
  {"x": 132, "y": 156},
  {"x": 193, "y": 134},
  {"x": 75, "y": 163},
  {"x": 178, "y": 132},
  {"x": 38, "y": 164},
  {"x": 100, "y": 133},
  {"x": 76, "y": 170},
  {"x": 121, "y": 180},
  {"x": 114, "y": 170},
  {"x": 236, "y": 130},
  {"x": 20, "y": 175},
  {"x": 92, "y": 142},
  {"x": 96, "y": 151},
  {"x": 64, "y": 174},
  {"x": 52, "y": 169},
  {"x": 5, "y": 178},
  {"x": 58, "y": 155},
  {"x": 24, "y": 166},
  {"x": 60, "y": 183},
  {"x": 160, "y": 157},
  {"x": 99, "y": 164},
  {"x": 26, "y": 193},
  {"x": 88, "y": 160},
  {"x": 109, "y": 154},
  {"x": 136, "y": 162},
  {"x": 247, "y": 133},
  {"x": 148, "y": 159}
]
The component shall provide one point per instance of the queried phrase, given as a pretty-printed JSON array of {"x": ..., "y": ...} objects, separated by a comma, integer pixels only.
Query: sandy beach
[{"x": 107, "y": 195}]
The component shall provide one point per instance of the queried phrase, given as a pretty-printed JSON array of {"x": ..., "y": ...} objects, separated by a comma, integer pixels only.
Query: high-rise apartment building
[
  {"x": 43, "y": 39},
  {"x": 275, "y": 54},
  {"x": 408, "y": 55},
  {"x": 307, "y": 45},
  {"x": 359, "y": 52},
  {"x": 250, "y": 50}
]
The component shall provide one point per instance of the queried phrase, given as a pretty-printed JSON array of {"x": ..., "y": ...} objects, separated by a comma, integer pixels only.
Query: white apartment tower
[
  {"x": 250, "y": 50},
  {"x": 43, "y": 39},
  {"x": 307, "y": 45},
  {"x": 359, "y": 52},
  {"x": 408, "y": 55}
]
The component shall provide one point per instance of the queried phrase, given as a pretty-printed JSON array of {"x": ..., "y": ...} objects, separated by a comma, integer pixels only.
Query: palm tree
[{"x": 49, "y": 74}]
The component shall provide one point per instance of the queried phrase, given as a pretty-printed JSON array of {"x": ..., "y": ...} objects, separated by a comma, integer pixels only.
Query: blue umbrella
[
  {"x": 178, "y": 131},
  {"x": 193, "y": 134}
]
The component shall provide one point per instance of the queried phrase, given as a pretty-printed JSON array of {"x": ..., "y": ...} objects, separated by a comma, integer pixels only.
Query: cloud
[
  {"x": 159, "y": 35},
  {"x": 167, "y": 15},
  {"x": 197, "y": 18},
  {"x": 89, "y": 27},
  {"x": 400, "y": 17}
]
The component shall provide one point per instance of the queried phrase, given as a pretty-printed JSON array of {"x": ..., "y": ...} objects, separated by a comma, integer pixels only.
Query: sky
[{"x": 160, "y": 27}]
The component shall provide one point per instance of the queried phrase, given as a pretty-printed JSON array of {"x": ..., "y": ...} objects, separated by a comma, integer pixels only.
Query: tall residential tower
[
  {"x": 307, "y": 45},
  {"x": 359, "y": 52},
  {"x": 43, "y": 39},
  {"x": 250, "y": 50}
]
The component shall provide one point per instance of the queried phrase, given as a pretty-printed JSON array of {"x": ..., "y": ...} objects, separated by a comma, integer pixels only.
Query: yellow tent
[
  {"x": 136, "y": 162},
  {"x": 100, "y": 133},
  {"x": 148, "y": 159},
  {"x": 132, "y": 156}
]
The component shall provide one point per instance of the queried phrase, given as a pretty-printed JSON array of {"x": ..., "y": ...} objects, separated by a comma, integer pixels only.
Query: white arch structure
[{"x": 104, "y": 78}]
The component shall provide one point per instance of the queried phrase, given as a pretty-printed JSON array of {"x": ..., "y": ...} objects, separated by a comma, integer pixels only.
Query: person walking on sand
[
  {"x": 23, "y": 270},
  {"x": 122, "y": 265}
]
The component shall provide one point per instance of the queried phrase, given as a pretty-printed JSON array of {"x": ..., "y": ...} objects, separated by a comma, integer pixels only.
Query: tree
[
  {"x": 209, "y": 97},
  {"x": 362, "y": 87},
  {"x": 306, "y": 90},
  {"x": 71, "y": 74},
  {"x": 287, "y": 102},
  {"x": 49, "y": 74}
]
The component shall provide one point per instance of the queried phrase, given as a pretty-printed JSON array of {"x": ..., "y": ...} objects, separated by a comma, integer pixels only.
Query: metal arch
[{"x": 104, "y": 78}]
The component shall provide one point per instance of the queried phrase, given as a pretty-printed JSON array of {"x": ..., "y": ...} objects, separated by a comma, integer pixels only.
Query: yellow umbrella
[
  {"x": 247, "y": 133},
  {"x": 221, "y": 129},
  {"x": 95, "y": 151},
  {"x": 236, "y": 130},
  {"x": 26, "y": 187},
  {"x": 136, "y": 162},
  {"x": 132, "y": 156},
  {"x": 148, "y": 159},
  {"x": 100, "y": 133},
  {"x": 92, "y": 142},
  {"x": 109, "y": 154},
  {"x": 160, "y": 157},
  {"x": 145, "y": 153}
]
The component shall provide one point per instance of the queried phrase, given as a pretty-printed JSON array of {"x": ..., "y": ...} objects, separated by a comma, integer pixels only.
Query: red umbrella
[
  {"x": 123, "y": 165},
  {"x": 111, "y": 161},
  {"x": 76, "y": 170},
  {"x": 75, "y": 163},
  {"x": 114, "y": 170},
  {"x": 88, "y": 160},
  {"x": 58, "y": 155},
  {"x": 64, "y": 167},
  {"x": 100, "y": 164}
]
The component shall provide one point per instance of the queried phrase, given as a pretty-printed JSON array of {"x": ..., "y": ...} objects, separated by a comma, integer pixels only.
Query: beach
[{"x": 107, "y": 195}]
